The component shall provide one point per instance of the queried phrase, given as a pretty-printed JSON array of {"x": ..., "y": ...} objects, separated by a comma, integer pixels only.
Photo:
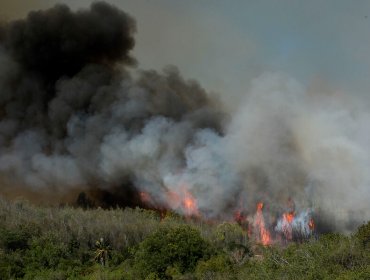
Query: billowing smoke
[
  {"x": 72, "y": 115},
  {"x": 77, "y": 115},
  {"x": 286, "y": 144}
]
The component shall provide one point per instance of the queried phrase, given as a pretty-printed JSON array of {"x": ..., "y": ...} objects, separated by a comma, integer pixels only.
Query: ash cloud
[{"x": 75, "y": 114}]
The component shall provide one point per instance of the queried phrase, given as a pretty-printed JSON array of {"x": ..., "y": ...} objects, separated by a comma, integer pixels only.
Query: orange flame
[
  {"x": 183, "y": 201},
  {"x": 259, "y": 206},
  {"x": 311, "y": 224},
  {"x": 287, "y": 225},
  {"x": 289, "y": 217},
  {"x": 263, "y": 234},
  {"x": 190, "y": 204}
]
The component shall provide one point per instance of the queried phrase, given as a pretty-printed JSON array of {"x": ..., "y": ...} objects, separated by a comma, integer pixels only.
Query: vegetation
[{"x": 68, "y": 243}]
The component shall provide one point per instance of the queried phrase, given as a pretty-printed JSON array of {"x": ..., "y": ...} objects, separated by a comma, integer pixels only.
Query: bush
[
  {"x": 12, "y": 240},
  {"x": 179, "y": 247},
  {"x": 11, "y": 265},
  {"x": 233, "y": 240},
  {"x": 363, "y": 234},
  {"x": 46, "y": 252},
  {"x": 217, "y": 267}
]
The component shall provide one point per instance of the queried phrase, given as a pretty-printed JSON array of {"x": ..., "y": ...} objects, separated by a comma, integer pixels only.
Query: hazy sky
[{"x": 224, "y": 44}]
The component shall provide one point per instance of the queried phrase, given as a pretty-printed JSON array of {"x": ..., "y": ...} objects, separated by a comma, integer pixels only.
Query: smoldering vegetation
[{"x": 77, "y": 115}]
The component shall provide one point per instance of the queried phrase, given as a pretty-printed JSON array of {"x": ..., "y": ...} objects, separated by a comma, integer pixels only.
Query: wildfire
[
  {"x": 291, "y": 225},
  {"x": 289, "y": 217},
  {"x": 183, "y": 201},
  {"x": 263, "y": 235},
  {"x": 299, "y": 225},
  {"x": 190, "y": 204},
  {"x": 287, "y": 225},
  {"x": 259, "y": 206},
  {"x": 311, "y": 224}
]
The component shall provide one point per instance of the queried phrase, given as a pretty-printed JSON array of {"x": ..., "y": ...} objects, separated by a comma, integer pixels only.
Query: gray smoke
[
  {"x": 75, "y": 114},
  {"x": 71, "y": 114},
  {"x": 282, "y": 145},
  {"x": 285, "y": 143}
]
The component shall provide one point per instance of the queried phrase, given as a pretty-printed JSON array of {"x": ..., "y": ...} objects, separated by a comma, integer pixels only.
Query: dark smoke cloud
[
  {"x": 54, "y": 44},
  {"x": 58, "y": 42},
  {"x": 69, "y": 106}
]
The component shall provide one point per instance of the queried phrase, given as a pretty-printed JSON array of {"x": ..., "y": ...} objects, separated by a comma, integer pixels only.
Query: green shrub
[
  {"x": 363, "y": 234},
  {"x": 46, "y": 252},
  {"x": 229, "y": 234},
  {"x": 12, "y": 240},
  {"x": 12, "y": 265},
  {"x": 217, "y": 267},
  {"x": 233, "y": 240},
  {"x": 179, "y": 247}
]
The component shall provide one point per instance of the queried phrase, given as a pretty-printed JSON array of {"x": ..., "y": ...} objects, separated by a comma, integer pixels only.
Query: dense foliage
[
  {"x": 180, "y": 247},
  {"x": 67, "y": 243}
]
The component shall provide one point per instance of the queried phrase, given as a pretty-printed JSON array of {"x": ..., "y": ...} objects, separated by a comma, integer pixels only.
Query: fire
[
  {"x": 259, "y": 206},
  {"x": 311, "y": 224},
  {"x": 263, "y": 235},
  {"x": 289, "y": 217},
  {"x": 190, "y": 204},
  {"x": 291, "y": 225},
  {"x": 183, "y": 201},
  {"x": 287, "y": 225},
  {"x": 297, "y": 226}
]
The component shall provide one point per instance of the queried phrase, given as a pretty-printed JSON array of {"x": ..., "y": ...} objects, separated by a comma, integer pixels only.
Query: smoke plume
[
  {"x": 76, "y": 114},
  {"x": 73, "y": 117}
]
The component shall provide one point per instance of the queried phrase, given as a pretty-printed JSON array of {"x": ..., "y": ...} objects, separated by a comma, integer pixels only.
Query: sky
[{"x": 226, "y": 44}]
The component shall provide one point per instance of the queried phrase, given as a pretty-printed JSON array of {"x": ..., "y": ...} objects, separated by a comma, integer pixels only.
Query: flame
[
  {"x": 189, "y": 204},
  {"x": 259, "y": 206},
  {"x": 289, "y": 217},
  {"x": 300, "y": 223},
  {"x": 311, "y": 224},
  {"x": 263, "y": 234},
  {"x": 183, "y": 201},
  {"x": 287, "y": 225}
]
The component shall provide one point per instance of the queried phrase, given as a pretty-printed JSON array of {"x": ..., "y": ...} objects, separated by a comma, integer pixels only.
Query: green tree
[{"x": 179, "y": 247}]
